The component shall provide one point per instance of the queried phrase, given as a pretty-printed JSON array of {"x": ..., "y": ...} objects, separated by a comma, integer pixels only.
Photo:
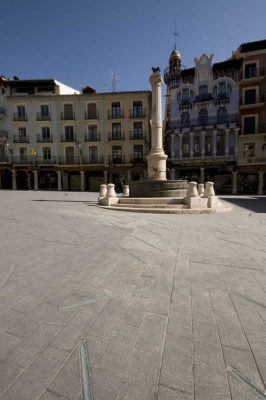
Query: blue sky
[{"x": 79, "y": 42}]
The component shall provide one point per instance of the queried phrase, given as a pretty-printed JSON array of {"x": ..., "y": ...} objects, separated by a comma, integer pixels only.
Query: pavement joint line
[
  {"x": 85, "y": 372},
  {"x": 248, "y": 298},
  {"x": 8, "y": 275},
  {"x": 89, "y": 301},
  {"x": 254, "y": 389}
]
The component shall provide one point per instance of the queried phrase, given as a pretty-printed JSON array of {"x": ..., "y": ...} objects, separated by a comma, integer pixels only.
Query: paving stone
[
  {"x": 211, "y": 384},
  {"x": 202, "y": 309},
  {"x": 9, "y": 318},
  {"x": 151, "y": 333},
  {"x": 105, "y": 386},
  {"x": 9, "y": 372},
  {"x": 7, "y": 343},
  {"x": 166, "y": 393}
]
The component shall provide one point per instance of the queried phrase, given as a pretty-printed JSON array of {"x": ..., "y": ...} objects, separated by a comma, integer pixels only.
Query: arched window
[
  {"x": 222, "y": 117},
  {"x": 203, "y": 117},
  {"x": 185, "y": 120}
]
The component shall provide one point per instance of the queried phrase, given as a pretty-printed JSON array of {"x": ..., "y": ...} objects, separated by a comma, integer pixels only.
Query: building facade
[
  {"x": 211, "y": 111},
  {"x": 53, "y": 137}
]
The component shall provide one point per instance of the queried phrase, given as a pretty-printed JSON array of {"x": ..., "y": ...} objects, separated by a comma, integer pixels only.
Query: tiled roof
[
  {"x": 233, "y": 63},
  {"x": 252, "y": 46}
]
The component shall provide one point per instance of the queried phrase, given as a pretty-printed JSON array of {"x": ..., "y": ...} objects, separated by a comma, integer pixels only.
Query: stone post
[
  {"x": 201, "y": 189},
  {"x": 105, "y": 174},
  {"x": 59, "y": 180},
  {"x": 191, "y": 144},
  {"x": 128, "y": 176},
  {"x": 214, "y": 143},
  {"x": 103, "y": 191},
  {"x": 156, "y": 158},
  {"x": 36, "y": 182},
  {"x": 111, "y": 190},
  {"x": 202, "y": 144},
  {"x": 192, "y": 190},
  {"x": 126, "y": 190},
  {"x": 261, "y": 181},
  {"x": 234, "y": 184},
  {"x": 180, "y": 145},
  {"x": 82, "y": 181},
  {"x": 209, "y": 190},
  {"x": 14, "y": 179}
]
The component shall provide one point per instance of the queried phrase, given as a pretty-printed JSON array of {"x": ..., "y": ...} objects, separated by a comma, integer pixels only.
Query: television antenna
[{"x": 114, "y": 77}]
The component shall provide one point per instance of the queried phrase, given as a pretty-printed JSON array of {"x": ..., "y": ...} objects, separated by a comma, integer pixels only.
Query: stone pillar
[
  {"x": 180, "y": 145},
  {"x": 191, "y": 144},
  {"x": 214, "y": 143},
  {"x": 202, "y": 144},
  {"x": 209, "y": 190},
  {"x": 192, "y": 190},
  {"x": 36, "y": 180},
  {"x": 59, "y": 180},
  {"x": 261, "y": 181},
  {"x": 156, "y": 158},
  {"x": 173, "y": 145},
  {"x": 126, "y": 190},
  {"x": 82, "y": 181},
  {"x": 103, "y": 191},
  {"x": 202, "y": 175},
  {"x": 14, "y": 179},
  {"x": 111, "y": 190},
  {"x": 201, "y": 189},
  {"x": 227, "y": 142},
  {"x": 105, "y": 174},
  {"x": 234, "y": 185},
  {"x": 236, "y": 140}
]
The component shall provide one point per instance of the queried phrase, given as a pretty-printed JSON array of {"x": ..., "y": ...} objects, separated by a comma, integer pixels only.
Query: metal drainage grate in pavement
[{"x": 259, "y": 394}]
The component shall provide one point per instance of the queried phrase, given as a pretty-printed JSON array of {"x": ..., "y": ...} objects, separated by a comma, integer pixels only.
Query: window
[
  {"x": 46, "y": 134},
  {"x": 68, "y": 111},
  {"x": 250, "y": 70},
  {"x": 185, "y": 94},
  {"x": 138, "y": 152},
  {"x": 250, "y": 96},
  {"x": 21, "y": 111},
  {"x": 117, "y": 153},
  {"x": 46, "y": 151},
  {"x": 137, "y": 108},
  {"x": 208, "y": 144},
  {"x": 249, "y": 125},
  {"x": 23, "y": 153},
  {"x": 222, "y": 117},
  {"x": 203, "y": 89},
  {"x": 116, "y": 131},
  {"x": 44, "y": 110},
  {"x": 91, "y": 111},
  {"x": 93, "y": 153},
  {"x": 185, "y": 120},
  {"x": 196, "y": 145},
  {"x": 69, "y": 133},
  {"x": 248, "y": 150},
  {"x": 137, "y": 130},
  {"x": 222, "y": 88},
  {"x": 116, "y": 110},
  {"x": 203, "y": 117},
  {"x": 22, "y": 131},
  {"x": 220, "y": 144},
  {"x": 185, "y": 146},
  {"x": 92, "y": 132}
]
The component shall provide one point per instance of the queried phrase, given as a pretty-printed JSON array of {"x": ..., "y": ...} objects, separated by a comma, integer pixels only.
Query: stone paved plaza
[{"x": 187, "y": 299}]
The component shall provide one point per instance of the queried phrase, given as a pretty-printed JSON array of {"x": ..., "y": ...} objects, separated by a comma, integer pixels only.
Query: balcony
[
  {"x": 3, "y": 135},
  {"x": 138, "y": 159},
  {"x": 67, "y": 116},
  {"x": 185, "y": 104},
  {"x": 116, "y": 136},
  {"x": 210, "y": 121},
  {"x": 221, "y": 98},
  {"x": 117, "y": 159},
  {"x": 115, "y": 113},
  {"x": 91, "y": 115},
  {"x": 261, "y": 129},
  {"x": 171, "y": 78},
  {"x": 253, "y": 73},
  {"x": 95, "y": 160},
  {"x": 137, "y": 134},
  {"x": 200, "y": 98},
  {"x": 43, "y": 117},
  {"x": 68, "y": 138},
  {"x": 137, "y": 113},
  {"x": 23, "y": 160},
  {"x": 42, "y": 139},
  {"x": 42, "y": 160},
  {"x": 20, "y": 139},
  {"x": 71, "y": 160},
  {"x": 19, "y": 117},
  {"x": 92, "y": 137}
]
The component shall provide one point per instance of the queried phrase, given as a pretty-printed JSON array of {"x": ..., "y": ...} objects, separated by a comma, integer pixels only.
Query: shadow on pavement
[{"x": 253, "y": 203}]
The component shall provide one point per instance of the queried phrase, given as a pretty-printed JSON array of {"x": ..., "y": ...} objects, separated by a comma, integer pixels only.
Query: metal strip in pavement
[
  {"x": 259, "y": 394},
  {"x": 8, "y": 275},
  {"x": 85, "y": 372}
]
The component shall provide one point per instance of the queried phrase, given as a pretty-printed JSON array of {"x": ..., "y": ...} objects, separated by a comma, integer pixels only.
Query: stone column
[
  {"x": 202, "y": 175},
  {"x": 36, "y": 180},
  {"x": 14, "y": 179},
  {"x": 156, "y": 158},
  {"x": 214, "y": 143},
  {"x": 202, "y": 144},
  {"x": 261, "y": 181},
  {"x": 191, "y": 144},
  {"x": 129, "y": 176},
  {"x": 82, "y": 181},
  {"x": 227, "y": 142},
  {"x": 105, "y": 174},
  {"x": 234, "y": 185},
  {"x": 173, "y": 145},
  {"x": 236, "y": 139},
  {"x": 59, "y": 180},
  {"x": 180, "y": 145},
  {"x": 173, "y": 173}
]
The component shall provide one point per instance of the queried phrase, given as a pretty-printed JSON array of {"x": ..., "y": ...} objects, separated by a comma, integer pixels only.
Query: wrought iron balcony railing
[
  {"x": 68, "y": 138},
  {"x": 203, "y": 97},
  {"x": 69, "y": 116},
  {"x": 253, "y": 73},
  {"x": 137, "y": 134},
  {"x": 43, "y": 117},
  {"x": 115, "y": 113},
  {"x": 20, "y": 139},
  {"x": 116, "y": 136},
  {"x": 137, "y": 113},
  {"x": 92, "y": 137},
  {"x": 19, "y": 117},
  {"x": 43, "y": 139},
  {"x": 90, "y": 115},
  {"x": 203, "y": 122},
  {"x": 117, "y": 159},
  {"x": 249, "y": 100}
]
